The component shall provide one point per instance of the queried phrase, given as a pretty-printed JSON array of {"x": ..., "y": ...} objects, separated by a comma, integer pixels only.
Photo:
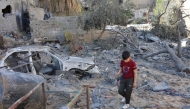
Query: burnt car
[{"x": 44, "y": 60}]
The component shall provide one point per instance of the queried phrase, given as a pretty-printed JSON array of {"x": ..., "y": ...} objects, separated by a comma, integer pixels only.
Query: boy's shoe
[
  {"x": 123, "y": 100},
  {"x": 125, "y": 106}
]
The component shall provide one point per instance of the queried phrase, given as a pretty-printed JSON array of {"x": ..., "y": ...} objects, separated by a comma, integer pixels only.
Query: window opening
[{"x": 7, "y": 11}]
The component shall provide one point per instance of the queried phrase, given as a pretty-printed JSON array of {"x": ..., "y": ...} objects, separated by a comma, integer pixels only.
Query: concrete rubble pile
[{"x": 160, "y": 84}]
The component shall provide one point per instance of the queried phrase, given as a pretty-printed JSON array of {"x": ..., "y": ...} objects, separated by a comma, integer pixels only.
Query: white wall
[{"x": 139, "y": 13}]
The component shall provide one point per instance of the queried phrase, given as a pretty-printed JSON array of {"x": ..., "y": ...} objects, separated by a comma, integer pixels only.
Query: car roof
[{"x": 29, "y": 48}]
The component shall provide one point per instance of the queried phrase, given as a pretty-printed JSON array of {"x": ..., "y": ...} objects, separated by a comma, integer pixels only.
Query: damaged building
[
  {"x": 15, "y": 15},
  {"x": 33, "y": 20}
]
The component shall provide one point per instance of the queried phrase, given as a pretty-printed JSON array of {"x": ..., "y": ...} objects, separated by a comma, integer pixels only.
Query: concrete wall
[
  {"x": 49, "y": 29},
  {"x": 9, "y": 23},
  {"x": 37, "y": 13},
  {"x": 139, "y": 13}
]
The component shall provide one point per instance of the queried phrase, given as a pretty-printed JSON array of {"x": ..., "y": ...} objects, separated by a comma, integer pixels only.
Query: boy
[{"x": 128, "y": 80}]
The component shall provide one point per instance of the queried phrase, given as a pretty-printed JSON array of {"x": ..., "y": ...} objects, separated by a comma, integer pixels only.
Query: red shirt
[{"x": 127, "y": 68}]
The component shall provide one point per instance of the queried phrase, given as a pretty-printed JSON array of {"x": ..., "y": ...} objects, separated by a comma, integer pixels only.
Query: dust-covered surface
[
  {"x": 159, "y": 70},
  {"x": 160, "y": 84}
]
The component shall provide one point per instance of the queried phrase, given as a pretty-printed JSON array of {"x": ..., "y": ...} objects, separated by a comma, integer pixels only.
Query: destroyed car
[{"x": 44, "y": 60}]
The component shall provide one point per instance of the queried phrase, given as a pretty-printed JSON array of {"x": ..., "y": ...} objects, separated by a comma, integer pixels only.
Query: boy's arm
[
  {"x": 135, "y": 78},
  {"x": 118, "y": 73}
]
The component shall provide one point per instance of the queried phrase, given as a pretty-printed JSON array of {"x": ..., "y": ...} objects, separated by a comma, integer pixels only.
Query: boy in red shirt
[{"x": 128, "y": 69}]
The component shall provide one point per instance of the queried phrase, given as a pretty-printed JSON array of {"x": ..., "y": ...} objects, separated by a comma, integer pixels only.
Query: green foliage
[
  {"x": 139, "y": 21},
  {"x": 68, "y": 36},
  {"x": 167, "y": 27},
  {"x": 106, "y": 12},
  {"x": 159, "y": 8}
]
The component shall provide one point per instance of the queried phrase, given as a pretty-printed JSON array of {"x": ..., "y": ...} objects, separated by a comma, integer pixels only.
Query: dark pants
[{"x": 125, "y": 88}]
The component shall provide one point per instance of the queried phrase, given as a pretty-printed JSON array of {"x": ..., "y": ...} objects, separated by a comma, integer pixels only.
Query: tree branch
[
  {"x": 180, "y": 19},
  {"x": 156, "y": 53},
  {"x": 159, "y": 17},
  {"x": 179, "y": 44}
]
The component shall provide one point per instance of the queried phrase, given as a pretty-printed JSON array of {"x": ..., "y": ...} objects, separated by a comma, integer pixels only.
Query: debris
[
  {"x": 96, "y": 105},
  {"x": 57, "y": 46},
  {"x": 152, "y": 37},
  {"x": 50, "y": 61},
  {"x": 155, "y": 57},
  {"x": 160, "y": 86},
  {"x": 186, "y": 107},
  {"x": 61, "y": 39},
  {"x": 68, "y": 95},
  {"x": 172, "y": 72},
  {"x": 182, "y": 74},
  {"x": 97, "y": 48},
  {"x": 185, "y": 42}
]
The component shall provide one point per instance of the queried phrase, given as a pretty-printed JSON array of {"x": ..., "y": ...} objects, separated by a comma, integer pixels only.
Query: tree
[
  {"x": 65, "y": 7},
  {"x": 159, "y": 8},
  {"x": 172, "y": 15},
  {"x": 106, "y": 12},
  {"x": 167, "y": 18}
]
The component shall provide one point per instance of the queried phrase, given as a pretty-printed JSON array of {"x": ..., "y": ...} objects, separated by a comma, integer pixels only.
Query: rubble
[
  {"x": 160, "y": 84},
  {"x": 151, "y": 37}
]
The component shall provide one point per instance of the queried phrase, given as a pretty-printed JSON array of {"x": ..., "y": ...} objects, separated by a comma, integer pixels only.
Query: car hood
[{"x": 88, "y": 60}]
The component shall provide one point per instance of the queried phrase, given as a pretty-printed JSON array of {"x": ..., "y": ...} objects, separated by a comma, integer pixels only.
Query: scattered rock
[
  {"x": 68, "y": 95},
  {"x": 96, "y": 105},
  {"x": 160, "y": 86},
  {"x": 186, "y": 107},
  {"x": 172, "y": 72},
  {"x": 155, "y": 57},
  {"x": 152, "y": 37},
  {"x": 182, "y": 74}
]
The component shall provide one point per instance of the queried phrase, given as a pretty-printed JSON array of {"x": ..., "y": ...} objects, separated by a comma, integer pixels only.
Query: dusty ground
[{"x": 157, "y": 69}]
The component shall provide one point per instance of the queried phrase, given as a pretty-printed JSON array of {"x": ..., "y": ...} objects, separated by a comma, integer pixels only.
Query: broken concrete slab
[
  {"x": 159, "y": 86},
  {"x": 152, "y": 37},
  {"x": 182, "y": 74},
  {"x": 96, "y": 105},
  {"x": 68, "y": 94},
  {"x": 172, "y": 72}
]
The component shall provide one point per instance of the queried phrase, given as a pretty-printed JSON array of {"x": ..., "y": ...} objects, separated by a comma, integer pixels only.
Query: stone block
[
  {"x": 68, "y": 95},
  {"x": 172, "y": 72},
  {"x": 96, "y": 105},
  {"x": 182, "y": 74}
]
